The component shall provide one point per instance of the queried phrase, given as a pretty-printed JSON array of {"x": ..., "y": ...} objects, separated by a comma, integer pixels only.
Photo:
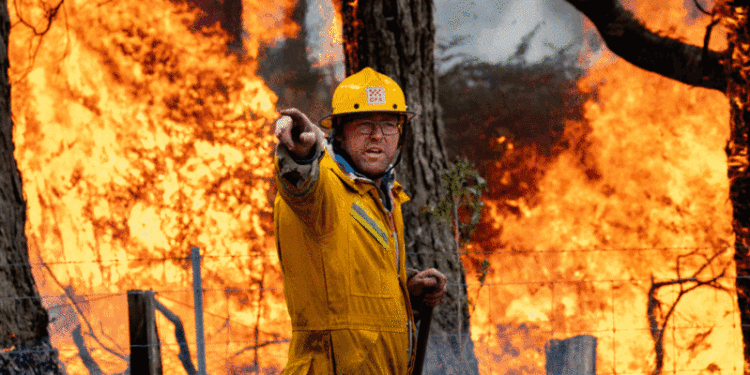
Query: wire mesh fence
[{"x": 668, "y": 309}]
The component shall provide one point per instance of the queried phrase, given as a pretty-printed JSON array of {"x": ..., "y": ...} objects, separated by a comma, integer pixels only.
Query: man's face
[{"x": 372, "y": 142}]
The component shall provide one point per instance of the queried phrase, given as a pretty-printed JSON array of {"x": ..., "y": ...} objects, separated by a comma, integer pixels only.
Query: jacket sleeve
[
  {"x": 297, "y": 177},
  {"x": 416, "y": 302},
  {"x": 298, "y": 182}
]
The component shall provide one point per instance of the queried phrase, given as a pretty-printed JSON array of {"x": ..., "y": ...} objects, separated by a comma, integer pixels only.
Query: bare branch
[
  {"x": 631, "y": 40},
  {"x": 179, "y": 334},
  {"x": 51, "y": 13},
  {"x": 70, "y": 296},
  {"x": 700, "y": 8},
  {"x": 657, "y": 326},
  {"x": 83, "y": 352}
]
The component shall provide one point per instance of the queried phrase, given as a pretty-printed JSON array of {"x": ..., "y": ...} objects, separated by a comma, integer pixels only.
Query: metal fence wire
[{"x": 676, "y": 313}]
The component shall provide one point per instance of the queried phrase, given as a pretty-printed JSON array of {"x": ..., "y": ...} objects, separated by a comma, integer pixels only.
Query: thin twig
[
  {"x": 104, "y": 3},
  {"x": 84, "y": 353},
  {"x": 104, "y": 333},
  {"x": 256, "y": 346},
  {"x": 51, "y": 13},
  {"x": 700, "y": 8},
  {"x": 257, "y": 319},
  {"x": 706, "y": 41},
  {"x": 80, "y": 312},
  {"x": 179, "y": 334},
  {"x": 654, "y": 304}
]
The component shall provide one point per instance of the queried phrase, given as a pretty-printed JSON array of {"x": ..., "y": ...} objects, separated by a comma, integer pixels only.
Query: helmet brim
[{"x": 327, "y": 121}]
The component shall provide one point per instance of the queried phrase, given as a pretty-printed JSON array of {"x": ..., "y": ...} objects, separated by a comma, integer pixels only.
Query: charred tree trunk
[
  {"x": 228, "y": 13},
  {"x": 232, "y": 23},
  {"x": 735, "y": 17},
  {"x": 23, "y": 320},
  {"x": 739, "y": 193},
  {"x": 397, "y": 38}
]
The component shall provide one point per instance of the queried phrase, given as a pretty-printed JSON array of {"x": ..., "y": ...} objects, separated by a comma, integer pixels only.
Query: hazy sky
[{"x": 493, "y": 27}]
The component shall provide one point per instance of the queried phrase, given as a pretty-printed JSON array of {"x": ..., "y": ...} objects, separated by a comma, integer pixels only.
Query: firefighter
[{"x": 340, "y": 235}]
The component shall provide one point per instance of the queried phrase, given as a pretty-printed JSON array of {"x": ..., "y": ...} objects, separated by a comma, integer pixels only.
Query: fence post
[
  {"x": 200, "y": 338},
  {"x": 572, "y": 356},
  {"x": 145, "y": 349}
]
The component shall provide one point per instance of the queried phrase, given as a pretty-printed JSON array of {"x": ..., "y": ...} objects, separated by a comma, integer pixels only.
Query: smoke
[{"x": 495, "y": 28}]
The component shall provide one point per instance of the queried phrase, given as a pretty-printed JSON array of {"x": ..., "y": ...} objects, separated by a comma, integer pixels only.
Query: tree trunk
[
  {"x": 738, "y": 91},
  {"x": 23, "y": 320},
  {"x": 232, "y": 23},
  {"x": 739, "y": 194},
  {"x": 397, "y": 38}
]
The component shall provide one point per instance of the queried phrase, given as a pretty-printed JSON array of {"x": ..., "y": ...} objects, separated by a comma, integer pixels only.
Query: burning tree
[
  {"x": 726, "y": 71},
  {"x": 397, "y": 38},
  {"x": 23, "y": 320}
]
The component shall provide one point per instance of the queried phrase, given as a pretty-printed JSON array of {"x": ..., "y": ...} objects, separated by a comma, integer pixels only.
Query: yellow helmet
[{"x": 366, "y": 91}]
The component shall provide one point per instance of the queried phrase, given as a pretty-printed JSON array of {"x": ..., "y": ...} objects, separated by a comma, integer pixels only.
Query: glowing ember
[{"x": 137, "y": 138}]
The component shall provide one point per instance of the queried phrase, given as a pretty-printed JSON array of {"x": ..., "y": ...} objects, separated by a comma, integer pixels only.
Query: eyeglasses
[{"x": 368, "y": 128}]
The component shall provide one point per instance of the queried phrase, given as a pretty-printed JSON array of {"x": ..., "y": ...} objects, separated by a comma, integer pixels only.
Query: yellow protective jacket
[{"x": 342, "y": 257}]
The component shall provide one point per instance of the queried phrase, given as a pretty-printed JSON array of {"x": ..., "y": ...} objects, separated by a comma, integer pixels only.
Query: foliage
[
  {"x": 462, "y": 206},
  {"x": 508, "y": 120}
]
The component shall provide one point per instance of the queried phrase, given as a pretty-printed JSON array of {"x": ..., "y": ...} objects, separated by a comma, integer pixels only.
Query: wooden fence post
[
  {"x": 145, "y": 349},
  {"x": 572, "y": 356}
]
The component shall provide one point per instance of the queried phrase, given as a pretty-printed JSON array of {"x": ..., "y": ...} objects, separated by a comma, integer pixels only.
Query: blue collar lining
[{"x": 386, "y": 182}]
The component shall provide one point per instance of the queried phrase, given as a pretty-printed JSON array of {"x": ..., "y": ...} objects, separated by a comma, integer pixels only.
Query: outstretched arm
[
  {"x": 297, "y": 152},
  {"x": 296, "y": 132}
]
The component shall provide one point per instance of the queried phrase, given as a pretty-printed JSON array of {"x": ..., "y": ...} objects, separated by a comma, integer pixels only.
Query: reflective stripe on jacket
[{"x": 342, "y": 257}]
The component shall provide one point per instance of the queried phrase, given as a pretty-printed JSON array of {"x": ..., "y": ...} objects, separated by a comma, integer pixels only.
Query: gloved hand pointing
[{"x": 296, "y": 132}]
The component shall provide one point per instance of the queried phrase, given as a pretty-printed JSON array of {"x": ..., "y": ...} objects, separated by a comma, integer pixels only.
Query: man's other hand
[
  {"x": 431, "y": 285},
  {"x": 295, "y": 131}
]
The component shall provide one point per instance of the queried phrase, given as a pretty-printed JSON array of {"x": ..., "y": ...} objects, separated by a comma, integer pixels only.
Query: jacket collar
[{"x": 362, "y": 183}]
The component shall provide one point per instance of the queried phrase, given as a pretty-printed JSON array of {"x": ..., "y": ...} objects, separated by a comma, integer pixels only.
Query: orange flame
[
  {"x": 331, "y": 35},
  {"x": 138, "y": 138},
  {"x": 266, "y": 21},
  {"x": 643, "y": 183}
]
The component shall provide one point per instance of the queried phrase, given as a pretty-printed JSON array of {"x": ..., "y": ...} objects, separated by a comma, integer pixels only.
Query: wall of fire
[{"x": 138, "y": 136}]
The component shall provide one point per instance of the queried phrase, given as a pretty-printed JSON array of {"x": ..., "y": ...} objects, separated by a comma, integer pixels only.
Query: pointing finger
[
  {"x": 283, "y": 132},
  {"x": 282, "y": 124},
  {"x": 307, "y": 138},
  {"x": 300, "y": 120},
  {"x": 294, "y": 114}
]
